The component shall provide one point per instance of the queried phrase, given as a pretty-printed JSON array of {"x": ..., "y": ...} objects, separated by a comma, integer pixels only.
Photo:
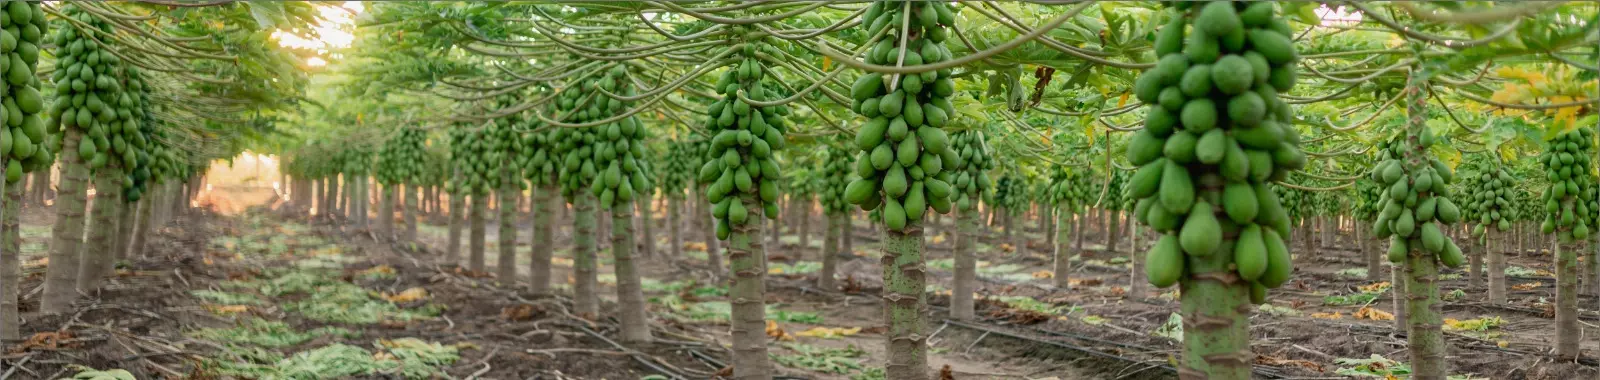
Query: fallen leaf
[
  {"x": 227, "y": 309},
  {"x": 828, "y": 332},
  {"x": 408, "y": 295},
  {"x": 1528, "y": 285},
  {"x": 946, "y": 373},
  {"x": 1373, "y": 314},
  {"x": 776, "y": 333},
  {"x": 1286, "y": 362},
  {"x": 1044, "y": 274},
  {"x": 381, "y": 270},
  {"x": 1375, "y": 287},
  {"x": 1335, "y": 315}
]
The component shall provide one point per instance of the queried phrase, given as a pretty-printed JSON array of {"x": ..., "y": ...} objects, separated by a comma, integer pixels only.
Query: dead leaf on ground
[
  {"x": 851, "y": 286},
  {"x": 1019, "y": 316},
  {"x": 1528, "y": 285},
  {"x": 1044, "y": 274},
  {"x": 829, "y": 332},
  {"x": 1334, "y": 315},
  {"x": 226, "y": 309},
  {"x": 49, "y": 340},
  {"x": 517, "y": 313},
  {"x": 1374, "y": 314},
  {"x": 1286, "y": 362},
  {"x": 407, "y": 295},
  {"x": 946, "y": 373},
  {"x": 776, "y": 332}
]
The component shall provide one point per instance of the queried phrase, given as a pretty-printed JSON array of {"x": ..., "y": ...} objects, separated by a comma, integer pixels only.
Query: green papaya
[
  {"x": 1177, "y": 189},
  {"x": 1432, "y": 238},
  {"x": 1147, "y": 179},
  {"x": 1211, "y": 147},
  {"x": 1164, "y": 262},
  {"x": 1250, "y": 253},
  {"x": 1280, "y": 265},
  {"x": 1239, "y": 201},
  {"x": 1200, "y": 235}
]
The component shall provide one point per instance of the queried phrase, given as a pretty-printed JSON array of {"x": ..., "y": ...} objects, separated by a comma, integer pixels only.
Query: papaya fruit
[
  {"x": 1250, "y": 253},
  {"x": 1164, "y": 262},
  {"x": 1201, "y": 234},
  {"x": 1280, "y": 264}
]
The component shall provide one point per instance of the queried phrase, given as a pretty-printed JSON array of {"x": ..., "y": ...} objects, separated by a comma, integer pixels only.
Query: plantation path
[{"x": 266, "y": 295}]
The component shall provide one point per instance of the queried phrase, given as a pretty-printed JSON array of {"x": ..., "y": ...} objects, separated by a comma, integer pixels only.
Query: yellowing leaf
[
  {"x": 1502, "y": 344},
  {"x": 381, "y": 270},
  {"x": 777, "y": 333},
  {"x": 937, "y": 239},
  {"x": 561, "y": 261},
  {"x": 1044, "y": 274},
  {"x": 1373, "y": 314},
  {"x": 827, "y": 63},
  {"x": 1377, "y": 287},
  {"x": 1122, "y": 100},
  {"x": 407, "y": 295},
  {"x": 829, "y": 332},
  {"x": 775, "y": 270},
  {"x": 226, "y": 309},
  {"x": 1527, "y": 285},
  {"x": 1335, "y": 315}
]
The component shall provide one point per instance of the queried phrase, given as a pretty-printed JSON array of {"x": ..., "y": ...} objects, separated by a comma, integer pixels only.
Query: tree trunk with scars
[
  {"x": 966, "y": 265},
  {"x": 97, "y": 259},
  {"x": 386, "y": 212},
  {"x": 803, "y": 213},
  {"x": 1113, "y": 225},
  {"x": 1077, "y": 233},
  {"x": 1497, "y": 269},
  {"x": 1568, "y": 332},
  {"x": 675, "y": 223},
  {"x": 903, "y": 292},
  {"x": 585, "y": 301},
  {"x": 453, "y": 244},
  {"x": 1475, "y": 248},
  {"x": 1371, "y": 255},
  {"x": 543, "y": 211},
  {"x": 830, "y": 253},
  {"x": 1047, "y": 225},
  {"x": 61, "y": 277},
  {"x": 506, "y": 261},
  {"x": 1424, "y": 337},
  {"x": 124, "y": 237},
  {"x": 630, "y": 293},
  {"x": 143, "y": 223},
  {"x": 1137, "y": 286},
  {"x": 1216, "y": 309},
  {"x": 10, "y": 261},
  {"x": 646, "y": 237},
  {"x": 410, "y": 213},
  {"x": 1063, "y": 252},
  {"x": 314, "y": 204},
  {"x": 747, "y": 260},
  {"x": 476, "y": 232}
]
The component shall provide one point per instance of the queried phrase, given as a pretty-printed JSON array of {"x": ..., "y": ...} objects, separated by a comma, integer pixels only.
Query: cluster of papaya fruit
[
  {"x": 26, "y": 144},
  {"x": 136, "y": 144},
  {"x": 606, "y": 159},
  {"x": 1569, "y": 201},
  {"x": 904, "y": 149},
  {"x": 354, "y": 161},
  {"x": 836, "y": 167},
  {"x": 1010, "y": 194},
  {"x": 1367, "y": 197},
  {"x": 1214, "y": 135},
  {"x": 469, "y": 153},
  {"x": 1489, "y": 194},
  {"x": 91, "y": 94},
  {"x": 509, "y": 154},
  {"x": 682, "y": 160},
  {"x": 1416, "y": 200},
  {"x": 1294, "y": 202},
  {"x": 1069, "y": 190},
  {"x": 742, "y": 162},
  {"x": 971, "y": 168},
  {"x": 402, "y": 158}
]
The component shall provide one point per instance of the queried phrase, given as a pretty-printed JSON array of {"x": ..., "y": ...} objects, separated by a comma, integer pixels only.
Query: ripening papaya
[
  {"x": 1164, "y": 262},
  {"x": 1250, "y": 253}
]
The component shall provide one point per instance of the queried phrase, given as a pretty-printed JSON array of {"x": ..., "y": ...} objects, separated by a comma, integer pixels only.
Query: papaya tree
[
  {"x": 970, "y": 167},
  {"x": 1215, "y": 133},
  {"x": 26, "y": 146}
]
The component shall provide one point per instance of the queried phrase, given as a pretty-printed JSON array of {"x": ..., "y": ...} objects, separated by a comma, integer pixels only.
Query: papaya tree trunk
[
  {"x": 98, "y": 262},
  {"x": 506, "y": 261},
  {"x": 10, "y": 261},
  {"x": 386, "y": 213},
  {"x": 476, "y": 231},
  {"x": 647, "y": 243},
  {"x": 120, "y": 239},
  {"x": 747, "y": 260},
  {"x": 903, "y": 291},
  {"x": 1369, "y": 253},
  {"x": 1568, "y": 332},
  {"x": 803, "y": 213},
  {"x": 1113, "y": 232},
  {"x": 585, "y": 301},
  {"x": 1063, "y": 252},
  {"x": 1077, "y": 234},
  {"x": 453, "y": 245},
  {"x": 1137, "y": 286},
  {"x": 1497, "y": 269},
  {"x": 543, "y": 209},
  {"x": 1425, "y": 339},
  {"x": 708, "y": 228},
  {"x": 830, "y": 253},
  {"x": 966, "y": 265},
  {"x": 1216, "y": 309},
  {"x": 674, "y": 223},
  {"x": 772, "y": 234},
  {"x": 1047, "y": 225},
  {"x": 336, "y": 197},
  {"x": 61, "y": 277},
  {"x": 314, "y": 203},
  {"x": 848, "y": 232},
  {"x": 144, "y": 223},
  {"x": 630, "y": 293},
  {"x": 1475, "y": 248},
  {"x": 412, "y": 192}
]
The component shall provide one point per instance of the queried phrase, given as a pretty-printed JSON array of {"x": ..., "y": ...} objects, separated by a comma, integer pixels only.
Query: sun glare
[{"x": 333, "y": 32}]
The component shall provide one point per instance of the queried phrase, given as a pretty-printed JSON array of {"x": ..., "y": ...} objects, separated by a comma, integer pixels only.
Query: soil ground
[{"x": 245, "y": 288}]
